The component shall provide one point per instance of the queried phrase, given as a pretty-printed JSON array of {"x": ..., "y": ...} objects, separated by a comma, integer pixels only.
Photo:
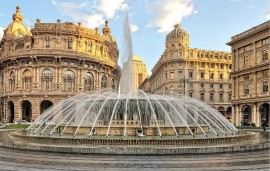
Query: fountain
[
  {"x": 130, "y": 113},
  {"x": 133, "y": 122}
]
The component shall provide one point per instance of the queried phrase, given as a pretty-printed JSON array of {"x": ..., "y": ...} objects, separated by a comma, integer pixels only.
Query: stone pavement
[{"x": 11, "y": 159}]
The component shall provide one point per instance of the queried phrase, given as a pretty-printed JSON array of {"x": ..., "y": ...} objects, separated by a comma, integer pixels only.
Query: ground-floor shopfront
[{"x": 248, "y": 113}]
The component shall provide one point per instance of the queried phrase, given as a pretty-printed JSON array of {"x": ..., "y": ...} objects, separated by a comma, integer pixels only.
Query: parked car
[{"x": 19, "y": 121}]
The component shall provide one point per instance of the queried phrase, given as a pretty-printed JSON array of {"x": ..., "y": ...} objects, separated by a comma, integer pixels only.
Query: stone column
[
  {"x": 255, "y": 84},
  {"x": 254, "y": 113},
  {"x": 237, "y": 117},
  {"x": 233, "y": 115},
  {"x": 258, "y": 117}
]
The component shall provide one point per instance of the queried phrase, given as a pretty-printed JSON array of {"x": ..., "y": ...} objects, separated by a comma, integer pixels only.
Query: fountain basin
[{"x": 244, "y": 141}]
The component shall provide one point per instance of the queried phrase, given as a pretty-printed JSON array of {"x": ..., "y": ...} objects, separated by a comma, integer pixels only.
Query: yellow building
[
  {"x": 250, "y": 76},
  {"x": 139, "y": 72},
  {"x": 201, "y": 74},
  {"x": 51, "y": 62}
]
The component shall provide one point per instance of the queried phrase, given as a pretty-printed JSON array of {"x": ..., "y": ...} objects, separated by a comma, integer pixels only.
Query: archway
[
  {"x": 246, "y": 115},
  {"x": 221, "y": 110},
  {"x": 229, "y": 113},
  {"x": 11, "y": 111},
  {"x": 44, "y": 105},
  {"x": 26, "y": 110},
  {"x": 264, "y": 111}
]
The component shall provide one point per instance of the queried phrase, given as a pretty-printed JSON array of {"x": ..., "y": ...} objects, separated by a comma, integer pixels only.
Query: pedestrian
[
  {"x": 241, "y": 124},
  {"x": 264, "y": 125}
]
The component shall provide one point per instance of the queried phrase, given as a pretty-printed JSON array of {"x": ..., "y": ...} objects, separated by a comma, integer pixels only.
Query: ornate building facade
[
  {"x": 139, "y": 72},
  {"x": 52, "y": 62},
  {"x": 250, "y": 75},
  {"x": 201, "y": 74}
]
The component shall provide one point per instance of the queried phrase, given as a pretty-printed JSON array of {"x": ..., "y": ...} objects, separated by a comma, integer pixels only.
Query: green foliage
[{"x": 15, "y": 126}]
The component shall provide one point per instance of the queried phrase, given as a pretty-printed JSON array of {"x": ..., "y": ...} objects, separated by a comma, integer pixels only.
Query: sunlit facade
[
  {"x": 201, "y": 74},
  {"x": 51, "y": 62},
  {"x": 139, "y": 72},
  {"x": 250, "y": 75}
]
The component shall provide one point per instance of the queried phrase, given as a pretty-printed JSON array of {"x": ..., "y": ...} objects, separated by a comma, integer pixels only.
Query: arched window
[
  {"x": 69, "y": 81},
  {"x": 103, "y": 82},
  {"x": 47, "y": 79},
  {"x": 12, "y": 81},
  {"x": 27, "y": 79},
  {"x": 88, "y": 82}
]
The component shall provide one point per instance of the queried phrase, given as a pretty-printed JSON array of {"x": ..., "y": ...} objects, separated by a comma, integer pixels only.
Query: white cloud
[
  {"x": 91, "y": 13},
  {"x": 165, "y": 14},
  {"x": 133, "y": 27},
  {"x": 110, "y": 8},
  {"x": 1, "y": 32},
  {"x": 267, "y": 15}
]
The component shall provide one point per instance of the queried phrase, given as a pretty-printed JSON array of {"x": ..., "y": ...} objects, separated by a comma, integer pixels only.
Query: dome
[
  {"x": 177, "y": 33},
  {"x": 107, "y": 33},
  {"x": 16, "y": 28},
  {"x": 137, "y": 114},
  {"x": 177, "y": 36}
]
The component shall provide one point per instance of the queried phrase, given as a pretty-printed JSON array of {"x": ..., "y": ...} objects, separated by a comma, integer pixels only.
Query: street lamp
[{"x": 184, "y": 81}]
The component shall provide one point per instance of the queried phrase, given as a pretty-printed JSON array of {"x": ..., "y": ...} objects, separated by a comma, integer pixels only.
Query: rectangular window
[
  {"x": 212, "y": 65},
  {"x": 190, "y": 95},
  {"x": 221, "y": 97},
  {"x": 211, "y": 85},
  {"x": 180, "y": 54},
  {"x": 265, "y": 86},
  {"x": 246, "y": 89},
  {"x": 47, "y": 43},
  {"x": 230, "y": 66},
  {"x": 212, "y": 76},
  {"x": 191, "y": 53},
  {"x": 230, "y": 86},
  {"x": 65, "y": 62},
  {"x": 221, "y": 66},
  {"x": 202, "y": 96},
  {"x": 69, "y": 44},
  {"x": 171, "y": 55},
  {"x": 246, "y": 48},
  {"x": 202, "y": 75},
  {"x": 190, "y": 85},
  {"x": 264, "y": 55},
  {"x": 230, "y": 97},
  {"x": 202, "y": 85},
  {"x": 265, "y": 41},
  {"x": 190, "y": 74},
  {"x": 166, "y": 76},
  {"x": 211, "y": 96},
  {"x": 221, "y": 76},
  {"x": 220, "y": 86},
  {"x": 179, "y": 73}
]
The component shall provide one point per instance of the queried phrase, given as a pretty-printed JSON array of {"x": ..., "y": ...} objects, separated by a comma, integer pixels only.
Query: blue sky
[{"x": 210, "y": 23}]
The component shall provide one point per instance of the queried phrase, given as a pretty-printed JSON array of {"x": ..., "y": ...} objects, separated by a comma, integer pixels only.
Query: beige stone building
[
  {"x": 250, "y": 75},
  {"x": 201, "y": 74},
  {"x": 52, "y": 62},
  {"x": 139, "y": 72}
]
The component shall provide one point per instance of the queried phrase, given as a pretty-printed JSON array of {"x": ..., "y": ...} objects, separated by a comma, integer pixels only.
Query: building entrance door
[{"x": 26, "y": 110}]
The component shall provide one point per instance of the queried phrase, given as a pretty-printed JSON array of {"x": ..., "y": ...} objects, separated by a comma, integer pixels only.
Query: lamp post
[{"x": 184, "y": 81}]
